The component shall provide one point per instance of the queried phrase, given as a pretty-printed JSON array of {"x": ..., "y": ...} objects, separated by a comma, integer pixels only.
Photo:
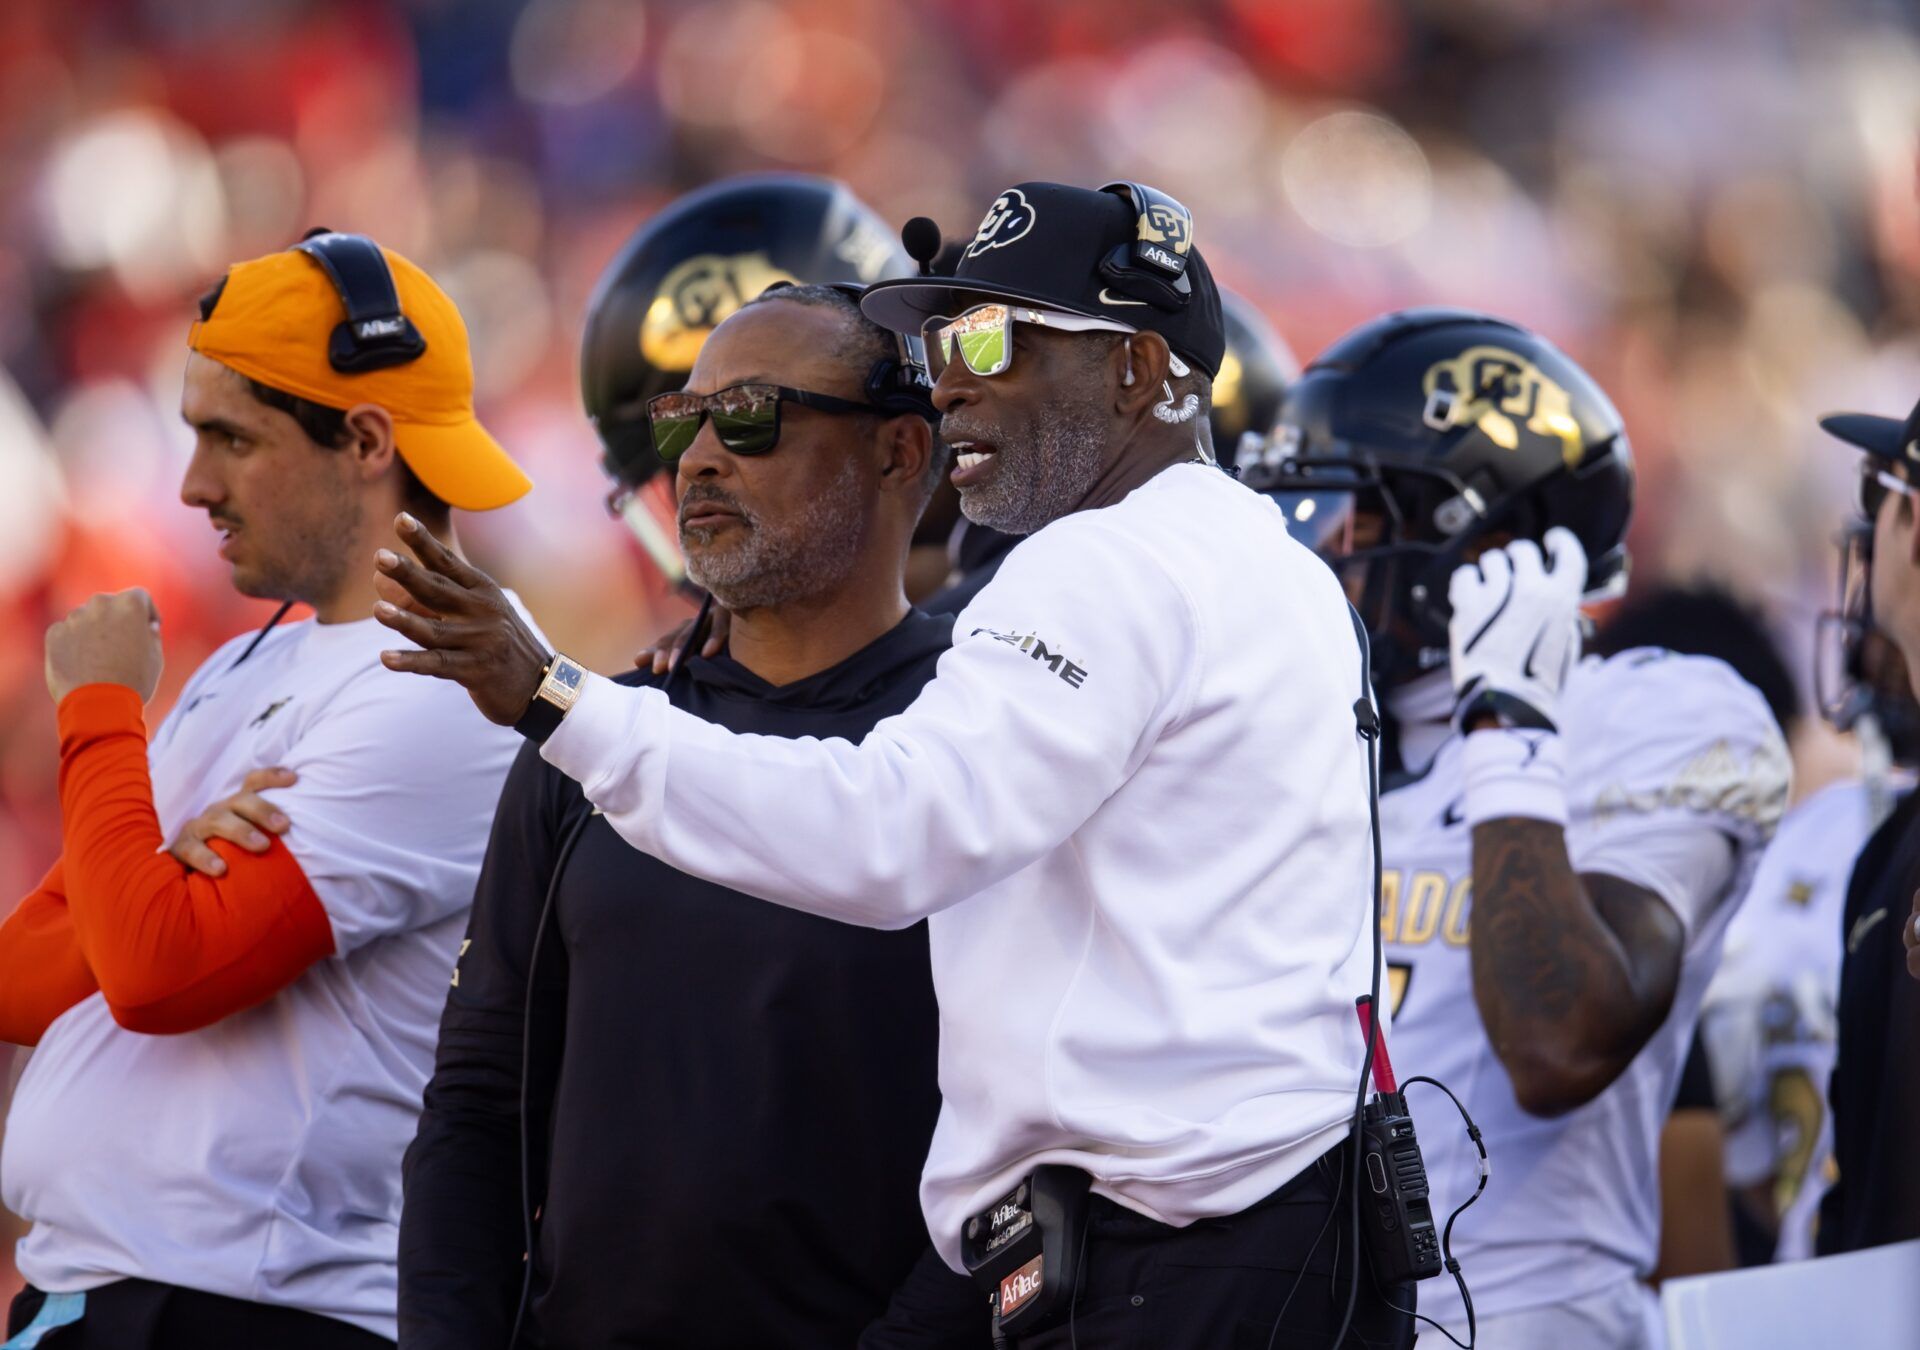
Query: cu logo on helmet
[
  {"x": 1007, "y": 221},
  {"x": 1501, "y": 391},
  {"x": 694, "y": 297}
]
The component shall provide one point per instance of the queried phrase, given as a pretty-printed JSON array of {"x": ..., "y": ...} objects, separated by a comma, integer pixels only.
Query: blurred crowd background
[{"x": 1710, "y": 203}]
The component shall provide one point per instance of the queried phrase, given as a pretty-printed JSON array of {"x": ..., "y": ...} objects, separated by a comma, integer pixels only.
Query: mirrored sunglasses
[
  {"x": 746, "y": 417},
  {"x": 983, "y": 335}
]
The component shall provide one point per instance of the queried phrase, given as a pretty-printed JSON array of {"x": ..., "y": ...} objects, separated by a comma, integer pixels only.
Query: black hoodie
[{"x": 729, "y": 1102}]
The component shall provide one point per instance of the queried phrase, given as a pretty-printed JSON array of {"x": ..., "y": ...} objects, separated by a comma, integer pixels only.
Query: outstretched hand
[{"x": 466, "y": 629}]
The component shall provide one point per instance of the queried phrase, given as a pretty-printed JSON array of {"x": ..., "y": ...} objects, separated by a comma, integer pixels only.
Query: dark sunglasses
[
  {"x": 1875, "y": 484},
  {"x": 746, "y": 417}
]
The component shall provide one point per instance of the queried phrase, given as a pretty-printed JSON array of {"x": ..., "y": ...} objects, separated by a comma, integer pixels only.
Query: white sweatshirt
[{"x": 1132, "y": 806}]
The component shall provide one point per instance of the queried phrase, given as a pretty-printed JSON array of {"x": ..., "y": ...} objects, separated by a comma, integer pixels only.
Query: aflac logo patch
[{"x": 1007, "y": 221}]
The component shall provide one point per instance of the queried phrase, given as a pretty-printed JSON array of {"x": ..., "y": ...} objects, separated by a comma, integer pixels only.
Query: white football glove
[{"x": 1515, "y": 630}]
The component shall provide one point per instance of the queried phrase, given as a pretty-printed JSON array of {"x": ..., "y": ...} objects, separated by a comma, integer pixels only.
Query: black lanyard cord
[
  {"x": 261, "y": 636},
  {"x": 561, "y": 855}
]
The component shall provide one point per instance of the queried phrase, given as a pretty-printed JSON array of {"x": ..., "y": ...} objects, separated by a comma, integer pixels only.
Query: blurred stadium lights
[
  {"x": 265, "y": 191},
  {"x": 1188, "y": 114},
  {"x": 726, "y": 65},
  {"x": 135, "y": 192},
  {"x": 834, "y": 93},
  {"x": 575, "y": 51},
  {"x": 383, "y": 191},
  {"x": 33, "y": 497},
  {"x": 1038, "y": 129},
  {"x": 503, "y": 299},
  {"x": 1358, "y": 178},
  {"x": 120, "y": 464}
]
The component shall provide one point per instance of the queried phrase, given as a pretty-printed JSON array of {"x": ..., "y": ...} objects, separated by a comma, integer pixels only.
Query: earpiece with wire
[{"x": 1173, "y": 411}]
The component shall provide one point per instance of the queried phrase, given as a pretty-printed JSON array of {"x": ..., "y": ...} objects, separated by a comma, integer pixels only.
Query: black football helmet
[
  {"x": 691, "y": 266},
  {"x": 1253, "y": 379},
  {"x": 676, "y": 279},
  {"x": 1446, "y": 427}
]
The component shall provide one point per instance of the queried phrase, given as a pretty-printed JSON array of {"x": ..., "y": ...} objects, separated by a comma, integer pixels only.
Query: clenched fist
[{"x": 112, "y": 639}]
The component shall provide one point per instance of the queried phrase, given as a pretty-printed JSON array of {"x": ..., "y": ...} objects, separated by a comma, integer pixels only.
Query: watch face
[{"x": 567, "y": 675}]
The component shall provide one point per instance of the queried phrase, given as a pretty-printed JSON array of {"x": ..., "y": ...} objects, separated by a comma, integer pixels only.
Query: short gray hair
[{"x": 863, "y": 344}]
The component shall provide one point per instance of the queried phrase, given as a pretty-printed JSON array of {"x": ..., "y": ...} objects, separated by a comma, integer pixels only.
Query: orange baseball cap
[{"x": 272, "y": 319}]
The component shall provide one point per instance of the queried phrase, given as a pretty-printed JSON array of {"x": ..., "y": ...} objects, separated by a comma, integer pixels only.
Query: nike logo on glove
[{"x": 1533, "y": 651}]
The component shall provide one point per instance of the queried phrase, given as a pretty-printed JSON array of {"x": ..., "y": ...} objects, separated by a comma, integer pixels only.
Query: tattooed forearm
[{"x": 1571, "y": 974}]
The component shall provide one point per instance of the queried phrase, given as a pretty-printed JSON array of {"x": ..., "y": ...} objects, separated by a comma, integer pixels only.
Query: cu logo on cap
[
  {"x": 1163, "y": 224},
  {"x": 1007, "y": 220}
]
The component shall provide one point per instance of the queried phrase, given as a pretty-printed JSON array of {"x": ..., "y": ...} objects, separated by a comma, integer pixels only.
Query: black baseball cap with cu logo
[{"x": 1125, "y": 252}]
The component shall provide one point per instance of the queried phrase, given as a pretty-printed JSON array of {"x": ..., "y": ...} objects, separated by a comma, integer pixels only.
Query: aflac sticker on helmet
[{"x": 1007, "y": 221}]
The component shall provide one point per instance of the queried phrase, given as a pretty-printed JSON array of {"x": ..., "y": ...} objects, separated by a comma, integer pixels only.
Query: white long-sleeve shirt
[{"x": 1133, "y": 808}]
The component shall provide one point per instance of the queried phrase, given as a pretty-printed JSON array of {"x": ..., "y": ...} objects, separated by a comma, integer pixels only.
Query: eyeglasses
[
  {"x": 746, "y": 417},
  {"x": 1875, "y": 484},
  {"x": 983, "y": 335}
]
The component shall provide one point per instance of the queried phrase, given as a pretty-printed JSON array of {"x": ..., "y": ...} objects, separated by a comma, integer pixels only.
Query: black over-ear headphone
[
  {"x": 1154, "y": 266},
  {"x": 897, "y": 385},
  {"x": 901, "y": 386},
  {"x": 376, "y": 333}
]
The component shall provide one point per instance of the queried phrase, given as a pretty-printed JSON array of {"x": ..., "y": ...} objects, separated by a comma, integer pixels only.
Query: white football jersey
[
  {"x": 1667, "y": 756},
  {"x": 1770, "y": 1014}
]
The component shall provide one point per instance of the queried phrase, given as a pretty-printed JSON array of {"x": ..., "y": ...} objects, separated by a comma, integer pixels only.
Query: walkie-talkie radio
[{"x": 1395, "y": 1213}]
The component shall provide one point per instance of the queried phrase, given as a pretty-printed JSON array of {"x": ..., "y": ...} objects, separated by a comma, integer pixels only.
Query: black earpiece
[
  {"x": 376, "y": 333},
  {"x": 898, "y": 385},
  {"x": 902, "y": 388}
]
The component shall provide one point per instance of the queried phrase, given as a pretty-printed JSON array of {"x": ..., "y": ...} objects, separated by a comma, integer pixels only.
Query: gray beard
[
  {"x": 813, "y": 550},
  {"x": 1042, "y": 481}
]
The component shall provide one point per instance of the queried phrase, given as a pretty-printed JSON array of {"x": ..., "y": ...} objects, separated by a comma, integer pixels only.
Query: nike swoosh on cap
[{"x": 1107, "y": 297}]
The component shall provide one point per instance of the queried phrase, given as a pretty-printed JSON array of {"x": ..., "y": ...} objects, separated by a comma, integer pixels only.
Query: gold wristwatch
[{"x": 561, "y": 681}]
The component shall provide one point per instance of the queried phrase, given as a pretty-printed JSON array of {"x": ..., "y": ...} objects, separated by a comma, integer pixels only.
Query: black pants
[
  {"x": 1219, "y": 1284},
  {"x": 142, "y": 1315},
  {"x": 933, "y": 1309}
]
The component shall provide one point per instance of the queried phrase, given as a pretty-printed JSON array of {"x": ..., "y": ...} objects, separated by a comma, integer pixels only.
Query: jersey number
[{"x": 1399, "y": 976}]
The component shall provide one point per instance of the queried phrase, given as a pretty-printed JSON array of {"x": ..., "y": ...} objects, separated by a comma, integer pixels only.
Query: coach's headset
[
  {"x": 897, "y": 385},
  {"x": 1153, "y": 267},
  {"x": 375, "y": 335}
]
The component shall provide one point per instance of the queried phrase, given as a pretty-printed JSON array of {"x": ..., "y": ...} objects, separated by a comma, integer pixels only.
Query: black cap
[
  {"x": 1886, "y": 437},
  {"x": 1124, "y": 253}
]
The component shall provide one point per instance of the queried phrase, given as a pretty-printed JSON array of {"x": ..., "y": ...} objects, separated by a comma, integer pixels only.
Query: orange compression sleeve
[
  {"x": 42, "y": 972},
  {"x": 173, "y": 950}
]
